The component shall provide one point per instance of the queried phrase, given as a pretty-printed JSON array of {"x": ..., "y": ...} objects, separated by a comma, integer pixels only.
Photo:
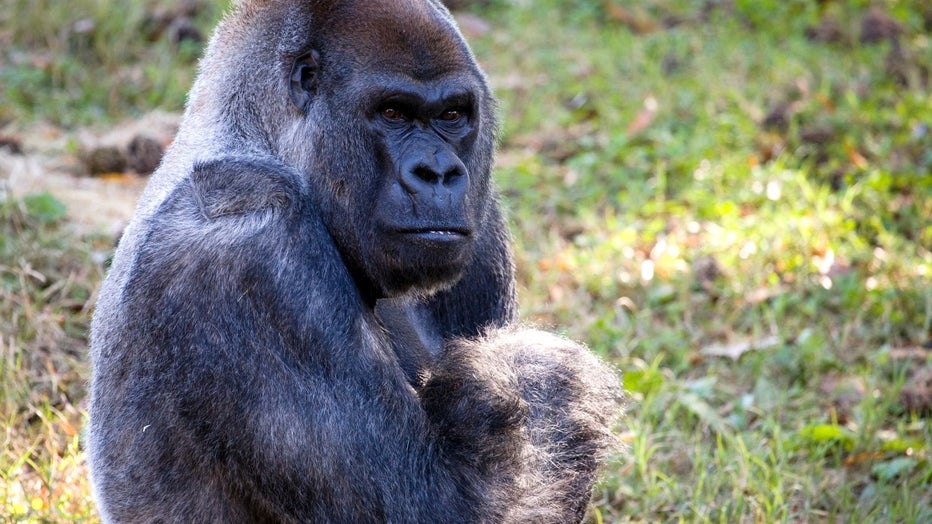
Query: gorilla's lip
[{"x": 435, "y": 234}]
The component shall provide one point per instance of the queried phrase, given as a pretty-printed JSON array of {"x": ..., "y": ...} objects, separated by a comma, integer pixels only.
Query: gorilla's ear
[{"x": 303, "y": 84}]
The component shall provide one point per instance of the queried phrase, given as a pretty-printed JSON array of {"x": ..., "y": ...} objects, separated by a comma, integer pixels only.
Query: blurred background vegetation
[{"x": 728, "y": 199}]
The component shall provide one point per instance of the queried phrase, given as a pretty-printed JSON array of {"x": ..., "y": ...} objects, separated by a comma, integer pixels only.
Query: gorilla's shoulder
[
  {"x": 236, "y": 186},
  {"x": 229, "y": 201}
]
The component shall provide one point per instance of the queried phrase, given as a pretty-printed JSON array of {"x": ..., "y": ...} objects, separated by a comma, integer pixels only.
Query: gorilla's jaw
[
  {"x": 387, "y": 261},
  {"x": 423, "y": 262}
]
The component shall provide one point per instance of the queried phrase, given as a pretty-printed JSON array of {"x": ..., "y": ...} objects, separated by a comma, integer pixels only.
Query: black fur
[{"x": 263, "y": 353}]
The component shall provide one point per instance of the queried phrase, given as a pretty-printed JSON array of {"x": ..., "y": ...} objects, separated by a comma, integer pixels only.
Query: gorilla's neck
[{"x": 237, "y": 89}]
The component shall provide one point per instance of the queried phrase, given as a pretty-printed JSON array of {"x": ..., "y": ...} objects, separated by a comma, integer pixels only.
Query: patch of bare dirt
[{"x": 54, "y": 161}]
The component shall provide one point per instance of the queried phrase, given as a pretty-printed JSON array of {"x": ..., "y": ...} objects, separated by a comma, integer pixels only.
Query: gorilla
[{"x": 312, "y": 317}]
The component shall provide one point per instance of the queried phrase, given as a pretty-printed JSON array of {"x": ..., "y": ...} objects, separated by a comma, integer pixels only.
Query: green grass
[
  {"x": 655, "y": 217},
  {"x": 92, "y": 61}
]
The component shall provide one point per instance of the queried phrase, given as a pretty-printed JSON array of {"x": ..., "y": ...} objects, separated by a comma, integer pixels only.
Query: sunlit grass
[
  {"x": 658, "y": 219},
  {"x": 47, "y": 279}
]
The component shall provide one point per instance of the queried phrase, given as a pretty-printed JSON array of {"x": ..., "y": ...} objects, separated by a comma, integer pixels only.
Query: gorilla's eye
[
  {"x": 451, "y": 115},
  {"x": 393, "y": 113}
]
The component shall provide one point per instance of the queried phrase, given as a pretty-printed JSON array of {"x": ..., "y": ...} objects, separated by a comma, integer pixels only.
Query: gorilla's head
[{"x": 392, "y": 121}]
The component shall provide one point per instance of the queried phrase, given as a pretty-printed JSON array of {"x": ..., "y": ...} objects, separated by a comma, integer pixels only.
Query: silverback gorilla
[{"x": 311, "y": 317}]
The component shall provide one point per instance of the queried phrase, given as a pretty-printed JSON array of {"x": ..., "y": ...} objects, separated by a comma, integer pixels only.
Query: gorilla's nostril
[
  {"x": 452, "y": 174},
  {"x": 426, "y": 174}
]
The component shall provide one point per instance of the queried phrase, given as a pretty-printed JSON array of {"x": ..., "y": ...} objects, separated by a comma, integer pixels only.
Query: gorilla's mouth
[{"x": 435, "y": 234}]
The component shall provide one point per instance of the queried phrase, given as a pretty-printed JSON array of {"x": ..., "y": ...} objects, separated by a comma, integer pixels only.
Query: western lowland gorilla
[{"x": 311, "y": 317}]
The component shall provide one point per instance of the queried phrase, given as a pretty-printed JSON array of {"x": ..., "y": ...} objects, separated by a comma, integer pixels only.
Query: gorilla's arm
[
  {"x": 573, "y": 400},
  {"x": 249, "y": 370}
]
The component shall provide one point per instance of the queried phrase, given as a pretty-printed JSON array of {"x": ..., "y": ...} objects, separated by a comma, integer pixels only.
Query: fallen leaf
[
  {"x": 734, "y": 350},
  {"x": 855, "y": 157},
  {"x": 763, "y": 294},
  {"x": 910, "y": 353},
  {"x": 637, "y": 19},
  {"x": 863, "y": 457},
  {"x": 644, "y": 118}
]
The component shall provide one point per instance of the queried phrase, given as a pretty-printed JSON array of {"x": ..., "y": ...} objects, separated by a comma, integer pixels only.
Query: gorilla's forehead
[{"x": 409, "y": 36}]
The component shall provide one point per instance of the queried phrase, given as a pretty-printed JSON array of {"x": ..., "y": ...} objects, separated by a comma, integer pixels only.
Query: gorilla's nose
[{"x": 433, "y": 171}]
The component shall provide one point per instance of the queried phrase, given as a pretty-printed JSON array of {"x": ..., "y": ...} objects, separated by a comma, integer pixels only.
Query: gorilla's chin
[{"x": 424, "y": 262}]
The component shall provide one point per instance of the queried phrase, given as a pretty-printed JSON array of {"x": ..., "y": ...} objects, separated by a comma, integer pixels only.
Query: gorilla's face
[
  {"x": 424, "y": 228},
  {"x": 402, "y": 157}
]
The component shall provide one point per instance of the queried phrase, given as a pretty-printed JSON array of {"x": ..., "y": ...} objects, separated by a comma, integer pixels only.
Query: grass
[
  {"x": 47, "y": 281},
  {"x": 94, "y": 61},
  {"x": 734, "y": 214}
]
